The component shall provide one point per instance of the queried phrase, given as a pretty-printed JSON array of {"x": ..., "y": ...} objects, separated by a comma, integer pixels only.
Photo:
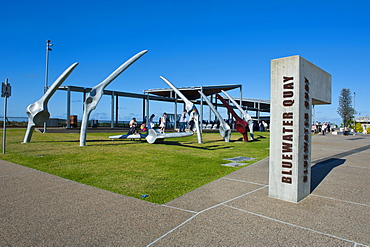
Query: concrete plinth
[{"x": 296, "y": 85}]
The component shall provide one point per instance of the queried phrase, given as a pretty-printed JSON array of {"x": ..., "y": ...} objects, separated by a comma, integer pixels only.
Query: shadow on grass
[
  {"x": 114, "y": 143},
  {"x": 174, "y": 143},
  {"x": 92, "y": 142},
  {"x": 261, "y": 137},
  {"x": 249, "y": 140}
]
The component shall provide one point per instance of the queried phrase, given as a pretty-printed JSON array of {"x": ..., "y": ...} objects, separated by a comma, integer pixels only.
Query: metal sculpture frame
[
  {"x": 240, "y": 125},
  {"x": 38, "y": 111},
  {"x": 245, "y": 115},
  {"x": 128, "y": 136},
  {"x": 224, "y": 129},
  {"x": 155, "y": 136},
  {"x": 96, "y": 93},
  {"x": 189, "y": 106}
]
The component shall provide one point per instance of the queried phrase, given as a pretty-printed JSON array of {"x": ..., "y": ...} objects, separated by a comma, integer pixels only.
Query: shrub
[{"x": 359, "y": 128}]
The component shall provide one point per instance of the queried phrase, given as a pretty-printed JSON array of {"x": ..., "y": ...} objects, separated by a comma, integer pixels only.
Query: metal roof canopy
[
  {"x": 115, "y": 93},
  {"x": 168, "y": 95},
  {"x": 191, "y": 93}
]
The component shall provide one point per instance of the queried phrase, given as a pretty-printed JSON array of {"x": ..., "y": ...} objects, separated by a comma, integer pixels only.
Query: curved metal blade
[
  {"x": 192, "y": 110},
  {"x": 38, "y": 111},
  {"x": 224, "y": 128},
  {"x": 156, "y": 137},
  {"x": 246, "y": 116},
  {"x": 97, "y": 91},
  {"x": 188, "y": 104},
  {"x": 240, "y": 125}
]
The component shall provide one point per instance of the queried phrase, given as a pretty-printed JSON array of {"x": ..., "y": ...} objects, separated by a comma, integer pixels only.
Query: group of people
[
  {"x": 321, "y": 128},
  {"x": 263, "y": 126},
  {"x": 163, "y": 123},
  {"x": 134, "y": 127}
]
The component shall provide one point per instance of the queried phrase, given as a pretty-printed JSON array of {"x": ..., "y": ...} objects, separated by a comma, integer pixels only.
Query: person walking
[
  {"x": 183, "y": 121},
  {"x": 162, "y": 125},
  {"x": 151, "y": 122},
  {"x": 323, "y": 128}
]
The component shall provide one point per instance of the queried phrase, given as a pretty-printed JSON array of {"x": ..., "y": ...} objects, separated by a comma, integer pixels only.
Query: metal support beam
[
  {"x": 210, "y": 110},
  {"x": 201, "y": 111},
  {"x": 112, "y": 111},
  {"x": 241, "y": 100},
  {"x": 175, "y": 118},
  {"x": 117, "y": 110},
  {"x": 84, "y": 98},
  {"x": 147, "y": 110},
  {"x": 68, "y": 107},
  {"x": 144, "y": 112}
]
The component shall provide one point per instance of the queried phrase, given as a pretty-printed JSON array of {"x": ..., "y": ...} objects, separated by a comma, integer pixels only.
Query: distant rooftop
[{"x": 362, "y": 119}]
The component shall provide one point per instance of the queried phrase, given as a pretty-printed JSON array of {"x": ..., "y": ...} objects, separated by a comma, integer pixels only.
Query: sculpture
[
  {"x": 96, "y": 93},
  {"x": 246, "y": 116},
  {"x": 224, "y": 128},
  {"x": 240, "y": 125},
  {"x": 38, "y": 112},
  {"x": 190, "y": 107},
  {"x": 129, "y": 136},
  {"x": 155, "y": 136}
]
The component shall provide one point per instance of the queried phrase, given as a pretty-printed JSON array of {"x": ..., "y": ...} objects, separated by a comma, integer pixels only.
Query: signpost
[
  {"x": 6, "y": 91},
  {"x": 296, "y": 85}
]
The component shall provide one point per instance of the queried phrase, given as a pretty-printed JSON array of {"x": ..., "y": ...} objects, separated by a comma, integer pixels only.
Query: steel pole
[
  {"x": 4, "y": 123},
  {"x": 46, "y": 73}
]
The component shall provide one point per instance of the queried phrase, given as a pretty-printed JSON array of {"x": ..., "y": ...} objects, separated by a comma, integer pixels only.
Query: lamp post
[
  {"x": 354, "y": 110},
  {"x": 48, "y": 45}
]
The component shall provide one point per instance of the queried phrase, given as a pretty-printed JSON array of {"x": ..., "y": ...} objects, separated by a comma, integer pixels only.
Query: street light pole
[
  {"x": 354, "y": 109},
  {"x": 48, "y": 45}
]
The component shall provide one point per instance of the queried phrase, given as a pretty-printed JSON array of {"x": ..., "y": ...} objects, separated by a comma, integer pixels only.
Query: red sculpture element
[{"x": 240, "y": 125}]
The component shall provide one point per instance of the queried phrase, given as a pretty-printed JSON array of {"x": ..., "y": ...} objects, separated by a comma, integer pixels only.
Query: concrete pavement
[{"x": 39, "y": 209}]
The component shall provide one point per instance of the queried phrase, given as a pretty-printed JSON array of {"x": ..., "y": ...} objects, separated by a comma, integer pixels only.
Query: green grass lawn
[{"x": 134, "y": 168}]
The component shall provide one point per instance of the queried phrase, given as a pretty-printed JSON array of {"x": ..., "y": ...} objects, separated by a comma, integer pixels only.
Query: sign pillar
[
  {"x": 296, "y": 85},
  {"x": 6, "y": 91}
]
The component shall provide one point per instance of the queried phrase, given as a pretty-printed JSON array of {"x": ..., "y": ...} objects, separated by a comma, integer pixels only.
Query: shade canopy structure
[
  {"x": 191, "y": 93},
  {"x": 168, "y": 95}
]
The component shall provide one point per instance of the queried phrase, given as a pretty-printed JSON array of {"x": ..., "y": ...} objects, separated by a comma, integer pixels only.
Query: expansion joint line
[
  {"x": 243, "y": 181},
  {"x": 204, "y": 210},
  {"x": 291, "y": 224},
  {"x": 330, "y": 198}
]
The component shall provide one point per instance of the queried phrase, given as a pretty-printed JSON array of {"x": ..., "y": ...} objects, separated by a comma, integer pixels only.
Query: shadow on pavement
[{"x": 320, "y": 170}]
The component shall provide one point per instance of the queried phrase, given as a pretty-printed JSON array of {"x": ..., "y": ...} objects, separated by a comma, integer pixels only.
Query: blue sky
[{"x": 191, "y": 43}]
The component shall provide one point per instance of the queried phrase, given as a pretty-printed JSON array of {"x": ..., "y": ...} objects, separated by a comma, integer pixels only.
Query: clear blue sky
[{"x": 191, "y": 43}]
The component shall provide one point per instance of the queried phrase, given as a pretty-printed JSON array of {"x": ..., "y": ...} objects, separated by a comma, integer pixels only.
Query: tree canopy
[{"x": 345, "y": 109}]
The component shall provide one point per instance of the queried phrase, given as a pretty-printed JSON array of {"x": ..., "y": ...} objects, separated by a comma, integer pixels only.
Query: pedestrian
[
  {"x": 151, "y": 123},
  {"x": 163, "y": 120},
  {"x": 323, "y": 128},
  {"x": 346, "y": 131},
  {"x": 183, "y": 121},
  {"x": 265, "y": 126},
  {"x": 261, "y": 126},
  {"x": 133, "y": 125},
  {"x": 313, "y": 128},
  {"x": 193, "y": 120}
]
